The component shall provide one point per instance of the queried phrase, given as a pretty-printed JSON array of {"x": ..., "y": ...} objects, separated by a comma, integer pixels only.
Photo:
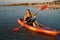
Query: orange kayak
[{"x": 42, "y": 29}]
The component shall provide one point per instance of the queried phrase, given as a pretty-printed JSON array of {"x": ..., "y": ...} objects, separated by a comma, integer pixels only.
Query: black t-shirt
[{"x": 30, "y": 21}]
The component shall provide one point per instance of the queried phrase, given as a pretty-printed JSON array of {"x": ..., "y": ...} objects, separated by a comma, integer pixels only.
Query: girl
[{"x": 29, "y": 18}]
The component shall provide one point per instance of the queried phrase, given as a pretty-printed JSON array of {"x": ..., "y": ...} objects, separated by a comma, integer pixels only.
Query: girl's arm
[
  {"x": 24, "y": 21},
  {"x": 35, "y": 15},
  {"x": 24, "y": 18}
]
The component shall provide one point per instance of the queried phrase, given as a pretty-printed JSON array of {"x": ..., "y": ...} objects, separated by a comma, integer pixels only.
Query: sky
[{"x": 22, "y": 1}]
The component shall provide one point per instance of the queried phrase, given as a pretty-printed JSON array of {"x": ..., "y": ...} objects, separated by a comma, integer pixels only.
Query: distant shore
[{"x": 49, "y": 4}]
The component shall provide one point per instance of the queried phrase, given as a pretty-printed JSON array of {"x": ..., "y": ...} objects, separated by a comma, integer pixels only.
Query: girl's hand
[
  {"x": 24, "y": 22},
  {"x": 35, "y": 15}
]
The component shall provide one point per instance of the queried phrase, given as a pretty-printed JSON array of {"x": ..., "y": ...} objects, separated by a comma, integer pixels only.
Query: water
[{"x": 10, "y": 14}]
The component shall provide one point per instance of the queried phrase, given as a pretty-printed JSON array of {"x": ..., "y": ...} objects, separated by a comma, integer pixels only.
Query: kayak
[{"x": 42, "y": 29}]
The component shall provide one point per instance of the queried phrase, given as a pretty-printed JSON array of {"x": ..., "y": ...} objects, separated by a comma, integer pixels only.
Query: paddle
[
  {"x": 42, "y": 8},
  {"x": 17, "y": 28}
]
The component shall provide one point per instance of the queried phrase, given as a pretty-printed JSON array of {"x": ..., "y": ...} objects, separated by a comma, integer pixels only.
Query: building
[{"x": 55, "y": 2}]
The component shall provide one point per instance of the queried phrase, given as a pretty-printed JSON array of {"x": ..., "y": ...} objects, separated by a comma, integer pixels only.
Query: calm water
[{"x": 10, "y": 14}]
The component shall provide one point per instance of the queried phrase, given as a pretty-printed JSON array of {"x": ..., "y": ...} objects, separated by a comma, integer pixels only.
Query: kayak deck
[{"x": 42, "y": 29}]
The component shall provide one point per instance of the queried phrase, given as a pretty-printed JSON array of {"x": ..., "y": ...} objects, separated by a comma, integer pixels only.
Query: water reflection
[{"x": 44, "y": 36}]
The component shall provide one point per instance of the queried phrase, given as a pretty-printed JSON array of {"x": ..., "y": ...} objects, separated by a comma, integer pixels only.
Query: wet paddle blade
[
  {"x": 16, "y": 29},
  {"x": 44, "y": 7}
]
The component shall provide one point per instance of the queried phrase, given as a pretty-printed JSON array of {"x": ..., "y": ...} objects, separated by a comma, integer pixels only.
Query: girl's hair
[{"x": 29, "y": 12}]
